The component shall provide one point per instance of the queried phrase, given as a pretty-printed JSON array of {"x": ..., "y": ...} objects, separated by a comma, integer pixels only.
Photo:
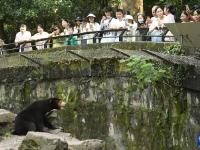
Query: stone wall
[{"x": 101, "y": 102}]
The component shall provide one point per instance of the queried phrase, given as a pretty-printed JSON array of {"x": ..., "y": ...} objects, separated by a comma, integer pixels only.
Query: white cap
[
  {"x": 91, "y": 15},
  {"x": 129, "y": 17}
]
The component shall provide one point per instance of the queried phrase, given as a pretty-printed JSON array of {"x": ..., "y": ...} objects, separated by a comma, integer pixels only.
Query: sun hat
[
  {"x": 91, "y": 15},
  {"x": 129, "y": 17}
]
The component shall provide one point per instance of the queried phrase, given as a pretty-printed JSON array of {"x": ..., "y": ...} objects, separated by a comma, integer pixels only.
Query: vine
[
  {"x": 145, "y": 73},
  {"x": 174, "y": 49}
]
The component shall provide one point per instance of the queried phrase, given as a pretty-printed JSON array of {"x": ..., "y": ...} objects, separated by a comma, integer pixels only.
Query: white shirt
[
  {"x": 157, "y": 23},
  {"x": 105, "y": 24},
  {"x": 120, "y": 24},
  {"x": 23, "y": 36},
  {"x": 169, "y": 19},
  {"x": 92, "y": 26},
  {"x": 37, "y": 36}
]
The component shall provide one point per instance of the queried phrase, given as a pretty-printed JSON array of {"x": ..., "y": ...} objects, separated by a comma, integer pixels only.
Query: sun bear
[{"x": 33, "y": 118}]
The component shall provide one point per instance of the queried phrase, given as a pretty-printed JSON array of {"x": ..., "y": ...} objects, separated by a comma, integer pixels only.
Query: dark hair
[
  {"x": 185, "y": 13},
  {"x": 64, "y": 19},
  {"x": 144, "y": 17},
  {"x": 195, "y": 7},
  {"x": 158, "y": 8},
  {"x": 56, "y": 27},
  {"x": 71, "y": 24},
  {"x": 107, "y": 9},
  {"x": 41, "y": 26},
  {"x": 198, "y": 11},
  {"x": 79, "y": 18},
  {"x": 170, "y": 8},
  {"x": 120, "y": 10},
  {"x": 23, "y": 25},
  {"x": 128, "y": 13}
]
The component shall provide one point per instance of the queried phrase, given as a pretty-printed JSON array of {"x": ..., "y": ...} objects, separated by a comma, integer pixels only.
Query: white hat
[
  {"x": 91, "y": 15},
  {"x": 129, "y": 17}
]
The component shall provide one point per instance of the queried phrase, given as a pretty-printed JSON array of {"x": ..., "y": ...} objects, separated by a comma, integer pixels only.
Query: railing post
[
  {"x": 1, "y": 52},
  {"x": 69, "y": 40},
  {"x": 94, "y": 38},
  {"x": 121, "y": 35}
]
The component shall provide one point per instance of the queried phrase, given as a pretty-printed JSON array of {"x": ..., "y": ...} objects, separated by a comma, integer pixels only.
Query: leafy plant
[
  {"x": 175, "y": 49},
  {"x": 145, "y": 73}
]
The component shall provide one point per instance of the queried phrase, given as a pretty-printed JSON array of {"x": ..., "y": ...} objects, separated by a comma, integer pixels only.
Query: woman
[
  {"x": 196, "y": 15},
  {"x": 77, "y": 29},
  {"x": 40, "y": 35},
  {"x": 142, "y": 27},
  {"x": 131, "y": 25},
  {"x": 23, "y": 36},
  {"x": 105, "y": 24},
  {"x": 157, "y": 25},
  {"x": 91, "y": 26},
  {"x": 185, "y": 17},
  {"x": 169, "y": 11},
  {"x": 56, "y": 32}
]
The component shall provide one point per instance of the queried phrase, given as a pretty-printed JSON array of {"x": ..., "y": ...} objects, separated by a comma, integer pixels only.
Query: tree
[
  {"x": 45, "y": 12},
  {"x": 31, "y": 12}
]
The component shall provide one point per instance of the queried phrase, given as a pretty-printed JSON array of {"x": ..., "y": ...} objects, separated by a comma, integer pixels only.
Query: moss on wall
[{"x": 99, "y": 101}]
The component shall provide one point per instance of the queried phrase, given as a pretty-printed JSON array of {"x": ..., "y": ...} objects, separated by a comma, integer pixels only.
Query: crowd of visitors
[{"x": 137, "y": 27}]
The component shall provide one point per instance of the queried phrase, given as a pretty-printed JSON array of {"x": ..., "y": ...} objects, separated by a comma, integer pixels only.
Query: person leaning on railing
[
  {"x": 196, "y": 15},
  {"x": 185, "y": 17},
  {"x": 21, "y": 37},
  {"x": 68, "y": 30},
  {"x": 120, "y": 23},
  {"x": 155, "y": 30},
  {"x": 58, "y": 42},
  {"x": 107, "y": 22},
  {"x": 142, "y": 27},
  {"x": 169, "y": 11},
  {"x": 40, "y": 35},
  {"x": 131, "y": 26},
  {"x": 91, "y": 26},
  {"x": 77, "y": 28}
]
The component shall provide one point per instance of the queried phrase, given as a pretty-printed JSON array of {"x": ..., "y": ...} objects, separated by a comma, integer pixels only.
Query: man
[{"x": 21, "y": 37}]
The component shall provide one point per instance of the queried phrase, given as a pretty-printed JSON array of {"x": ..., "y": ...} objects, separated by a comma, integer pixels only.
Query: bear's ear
[
  {"x": 53, "y": 100},
  {"x": 50, "y": 100}
]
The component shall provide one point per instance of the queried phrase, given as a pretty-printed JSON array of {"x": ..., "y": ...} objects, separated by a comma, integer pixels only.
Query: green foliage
[
  {"x": 145, "y": 73},
  {"x": 176, "y": 49},
  {"x": 45, "y": 12}
]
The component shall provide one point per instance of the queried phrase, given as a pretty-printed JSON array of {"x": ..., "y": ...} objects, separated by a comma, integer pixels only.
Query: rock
[
  {"x": 43, "y": 141},
  {"x": 6, "y": 116},
  {"x": 75, "y": 144},
  {"x": 6, "y": 123},
  {"x": 11, "y": 143},
  {"x": 48, "y": 141},
  {"x": 1, "y": 43}
]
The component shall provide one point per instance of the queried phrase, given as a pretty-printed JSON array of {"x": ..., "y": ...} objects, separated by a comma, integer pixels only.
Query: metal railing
[{"x": 97, "y": 35}]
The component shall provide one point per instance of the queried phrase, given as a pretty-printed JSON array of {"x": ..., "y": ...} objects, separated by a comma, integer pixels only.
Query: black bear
[{"x": 33, "y": 118}]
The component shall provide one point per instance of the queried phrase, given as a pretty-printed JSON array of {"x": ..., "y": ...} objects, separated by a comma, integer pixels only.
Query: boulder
[
  {"x": 11, "y": 143},
  {"x": 48, "y": 141},
  {"x": 75, "y": 144},
  {"x": 43, "y": 141},
  {"x": 6, "y": 116},
  {"x": 6, "y": 123}
]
